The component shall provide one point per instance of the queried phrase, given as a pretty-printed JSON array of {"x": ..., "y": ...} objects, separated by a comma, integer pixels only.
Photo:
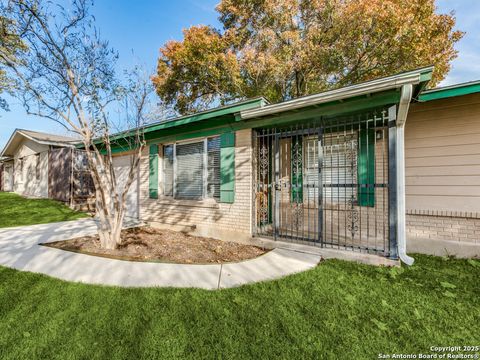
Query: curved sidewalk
[{"x": 19, "y": 249}]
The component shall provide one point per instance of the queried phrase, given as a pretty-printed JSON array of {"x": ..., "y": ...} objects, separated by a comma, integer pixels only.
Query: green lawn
[
  {"x": 17, "y": 211},
  {"x": 337, "y": 310}
]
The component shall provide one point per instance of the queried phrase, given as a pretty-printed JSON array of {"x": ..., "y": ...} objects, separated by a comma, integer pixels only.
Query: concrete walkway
[{"x": 19, "y": 249}]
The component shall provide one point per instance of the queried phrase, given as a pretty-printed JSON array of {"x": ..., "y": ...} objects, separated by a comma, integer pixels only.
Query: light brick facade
[
  {"x": 442, "y": 186},
  {"x": 423, "y": 227},
  {"x": 210, "y": 217}
]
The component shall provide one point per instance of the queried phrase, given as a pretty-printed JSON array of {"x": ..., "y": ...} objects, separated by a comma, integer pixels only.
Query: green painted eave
[
  {"x": 334, "y": 109},
  {"x": 221, "y": 124},
  {"x": 223, "y": 113},
  {"x": 450, "y": 91},
  {"x": 425, "y": 77}
]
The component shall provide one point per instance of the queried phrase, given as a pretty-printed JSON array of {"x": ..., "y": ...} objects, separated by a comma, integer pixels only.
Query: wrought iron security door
[{"x": 326, "y": 185}]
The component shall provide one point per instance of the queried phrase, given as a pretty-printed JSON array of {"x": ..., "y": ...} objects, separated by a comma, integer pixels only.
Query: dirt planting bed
[{"x": 155, "y": 245}]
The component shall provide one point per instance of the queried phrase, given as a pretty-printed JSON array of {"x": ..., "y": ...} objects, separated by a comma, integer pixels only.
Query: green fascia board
[
  {"x": 450, "y": 91},
  {"x": 335, "y": 108},
  {"x": 190, "y": 135},
  {"x": 214, "y": 113},
  {"x": 221, "y": 120},
  {"x": 227, "y": 111},
  {"x": 225, "y": 123},
  {"x": 426, "y": 76}
]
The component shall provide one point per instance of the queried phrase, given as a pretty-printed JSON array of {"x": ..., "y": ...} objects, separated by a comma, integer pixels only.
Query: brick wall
[
  {"x": 465, "y": 230},
  {"x": 234, "y": 217},
  {"x": 238, "y": 217}
]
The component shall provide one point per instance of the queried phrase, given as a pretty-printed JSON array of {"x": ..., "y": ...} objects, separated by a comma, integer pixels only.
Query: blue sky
[{"x": 138, "y": 31}]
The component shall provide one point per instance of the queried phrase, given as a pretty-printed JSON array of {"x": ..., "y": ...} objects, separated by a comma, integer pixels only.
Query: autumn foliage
[{"x": 282, "y": 49}]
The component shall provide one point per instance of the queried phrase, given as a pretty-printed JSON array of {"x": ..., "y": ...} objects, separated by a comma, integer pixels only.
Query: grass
[
  {"x": 16, "y": 210},
  {"x": 339, "y": 310}
]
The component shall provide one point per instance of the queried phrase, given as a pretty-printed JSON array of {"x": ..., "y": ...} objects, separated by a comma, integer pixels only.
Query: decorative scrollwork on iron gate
[
  {"x": 262, "y": 194},
  {"x": 352, "y": 211}
]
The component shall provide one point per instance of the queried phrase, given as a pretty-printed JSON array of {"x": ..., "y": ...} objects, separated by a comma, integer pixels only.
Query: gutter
[
  {"x": 403, "y": 106},
  {"x": 374, "y": 86}
]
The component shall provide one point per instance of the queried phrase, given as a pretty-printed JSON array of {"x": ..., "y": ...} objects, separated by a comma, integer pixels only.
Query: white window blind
[
  {"x": 190, "y": 167},
  {"x": 168, "y": 170},
  {"x": 192, "y": 170},
  {"x": 339, "y": 166}
]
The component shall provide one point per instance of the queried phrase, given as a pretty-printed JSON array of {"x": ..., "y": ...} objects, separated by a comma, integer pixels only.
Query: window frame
[{"x": 174, "y": 195}]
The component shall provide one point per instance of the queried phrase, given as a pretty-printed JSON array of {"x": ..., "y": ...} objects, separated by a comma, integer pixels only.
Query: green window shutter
[
  {"x": 366, "y": 167},
  {"x": 153, "y": 172},
  {"x": 296, "y": 160},
  {"x": 227, "y": 167}
]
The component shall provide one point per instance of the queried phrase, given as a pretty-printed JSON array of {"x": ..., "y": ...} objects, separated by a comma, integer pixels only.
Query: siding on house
[
  {"x": 210, "y": 217},
  {"x": 442, "y": 157},
  {"x": 60, "y": 174},
  {"x": 31, "y": 169},
  {"x": 122, "y": 166},
  {"x": 7, "y": 176},
  {"x": 442, "y": 168}
]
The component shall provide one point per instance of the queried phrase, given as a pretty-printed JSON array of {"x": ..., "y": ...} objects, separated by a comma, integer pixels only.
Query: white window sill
[{"x": 204, "y": 203}]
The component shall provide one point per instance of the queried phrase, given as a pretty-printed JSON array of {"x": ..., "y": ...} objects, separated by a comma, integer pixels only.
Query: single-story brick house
[
  {"x": 381, "y": 167},
  {"x": 372, "y": 167},
  {"x": 41, "y": 165}
]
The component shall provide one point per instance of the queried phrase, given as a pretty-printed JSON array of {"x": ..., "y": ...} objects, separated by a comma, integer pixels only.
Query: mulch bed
[{"x": 156, "y": 245}]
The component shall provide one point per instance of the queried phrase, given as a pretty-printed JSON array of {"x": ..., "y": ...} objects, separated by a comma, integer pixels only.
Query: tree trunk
[
  {"x": 110, "y": 198},
  {"x": 109, "y": 231},
  {"x": 110, "y": 238},
  {"x": 110, "y": 222}
]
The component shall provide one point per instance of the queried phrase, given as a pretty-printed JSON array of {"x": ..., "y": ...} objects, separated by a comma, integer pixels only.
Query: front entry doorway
[{"x": 324, "y": 184}]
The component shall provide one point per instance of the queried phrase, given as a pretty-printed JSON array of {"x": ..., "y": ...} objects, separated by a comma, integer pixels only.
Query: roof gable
[
  {"x": 41, "y": 138},
  {"x": 444, "y": 92}
]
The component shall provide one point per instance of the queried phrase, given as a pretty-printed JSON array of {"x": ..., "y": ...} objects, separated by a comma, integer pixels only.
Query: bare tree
[{"x": 68, "y": 76}]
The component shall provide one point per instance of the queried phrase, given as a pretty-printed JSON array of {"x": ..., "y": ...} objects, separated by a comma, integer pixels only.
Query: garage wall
[
  {"x": 122, "y": 164},
  {"x": 31, "y": 169},
  {"x": 7, "y": 176}
]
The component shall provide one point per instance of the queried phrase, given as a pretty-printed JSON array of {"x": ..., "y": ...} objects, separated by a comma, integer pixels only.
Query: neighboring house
[
  {"x": 42, "y": 165},
  {"x": 362, "y": 168}
]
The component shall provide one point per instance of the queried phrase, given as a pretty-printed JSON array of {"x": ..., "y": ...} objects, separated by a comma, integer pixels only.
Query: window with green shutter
[
  {"x": 227, "y": 167},
  {"x": 213, "y": 167},
  {"x": 153, "y": 172},
  {"x": 297, "y": 169},
  {"x": 366, "y": 167},
  {"x": 168, "y": 170},
  {"x": 189, "y": 172},
  {"x": 192, "y": 169}
]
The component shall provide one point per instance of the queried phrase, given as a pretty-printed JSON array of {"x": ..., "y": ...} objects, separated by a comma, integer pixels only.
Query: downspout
[{"x": 404, "y": 104}]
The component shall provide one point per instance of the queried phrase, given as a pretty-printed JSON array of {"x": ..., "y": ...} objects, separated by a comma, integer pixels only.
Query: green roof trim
[
  {"x": 219, "y": 112},
  {"x": 426, "y": 76},
  {"x": 374, "y": 95},
  {"x": 223, "y": 124},
  {"x": 450, "y": 91},
  {"x": 334, "y": 108}
]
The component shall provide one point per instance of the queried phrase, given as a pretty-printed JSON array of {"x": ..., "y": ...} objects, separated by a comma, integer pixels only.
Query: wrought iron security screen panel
[{"x": 325, "y": 183}]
